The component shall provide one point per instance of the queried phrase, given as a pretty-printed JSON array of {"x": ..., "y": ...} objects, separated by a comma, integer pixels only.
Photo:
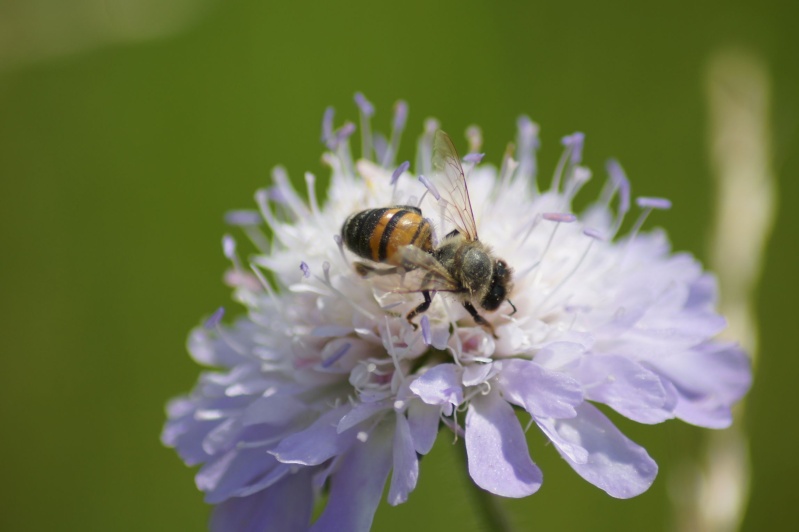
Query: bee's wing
[
  {"x": 451, "y": 184},
  {"x": 433, "y": 274}
]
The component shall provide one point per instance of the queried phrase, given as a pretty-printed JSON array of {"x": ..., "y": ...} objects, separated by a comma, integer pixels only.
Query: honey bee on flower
[{"x": 399, "y": 236}]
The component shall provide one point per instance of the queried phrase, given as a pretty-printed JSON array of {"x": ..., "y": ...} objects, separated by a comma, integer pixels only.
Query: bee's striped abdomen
[{"x": 378, "y": 234}]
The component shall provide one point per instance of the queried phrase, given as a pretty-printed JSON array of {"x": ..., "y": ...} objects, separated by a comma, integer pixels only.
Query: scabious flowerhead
[{"x": 324, "y": 386}]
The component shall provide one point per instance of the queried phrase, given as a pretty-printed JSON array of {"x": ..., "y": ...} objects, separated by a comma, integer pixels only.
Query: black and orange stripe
[{"x": 378, "y": 234}]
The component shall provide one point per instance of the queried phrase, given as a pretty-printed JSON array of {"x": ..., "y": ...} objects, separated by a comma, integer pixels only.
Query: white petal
[
  {"x": 560, "y": 355},
  {"x": 474, "y": 374}
]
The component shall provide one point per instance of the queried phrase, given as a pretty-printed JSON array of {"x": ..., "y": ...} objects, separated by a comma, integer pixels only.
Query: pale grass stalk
[{"x": 711, "y": 494}]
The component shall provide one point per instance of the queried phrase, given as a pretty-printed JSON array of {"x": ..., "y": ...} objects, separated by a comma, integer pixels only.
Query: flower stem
[{"x": 493, "y": 516}]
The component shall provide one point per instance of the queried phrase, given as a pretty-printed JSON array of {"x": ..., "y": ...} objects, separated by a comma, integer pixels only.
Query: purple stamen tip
[
  {"x": 306, "y": 271},
  {"x": 430, "y": 186},
  {"x": 653, "y": 203},
  {"x": 345, "y": 131},
  {"x": 528, "y": 132},
  {"x": 399, "y": 171},
  {"x": 215, "y": 318},
  {"x": 426, "y": 334},
  {"x": 594, "y": 233},
  {"x": 338, "y": 240},
  {"x": 560, "y": 217},
  {"x": 431, "y": 125},
  {"x": 619, "y": 178},
  {"x": 473, "y": 158},
  {"x": 335, "y": 357},
  {"x": 364, "y": 105},
  {"x": 276, "y": 194},
  {"x": 380, "y": 145},
  {"x": 326, "y": 266},
  {"x": 228, "y": 246},
  {"x": 575, "y": 142},
  {"x": 582, "y": 174},
  {"x": 327, "y": 125},
  {"x": 475, "y": 137},
  {"x": 400, "y": 115},
  {"x": 614, "y": 169},
  {"x": 526, "y": 126},
  {"x": 243, "y": 218}
]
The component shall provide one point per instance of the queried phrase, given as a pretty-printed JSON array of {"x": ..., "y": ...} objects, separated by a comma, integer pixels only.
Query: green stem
[{"x": 494, "y": 517}]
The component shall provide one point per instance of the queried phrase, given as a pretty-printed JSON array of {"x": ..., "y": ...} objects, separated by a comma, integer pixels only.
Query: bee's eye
[
  {"x": 494, "y": 297},
  {"x": 501, "y": 270}
]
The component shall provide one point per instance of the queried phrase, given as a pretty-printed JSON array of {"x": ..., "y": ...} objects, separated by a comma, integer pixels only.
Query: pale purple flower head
[{"x": 324, "y": 385}]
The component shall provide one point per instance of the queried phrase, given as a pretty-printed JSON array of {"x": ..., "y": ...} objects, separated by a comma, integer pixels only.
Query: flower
[{"x": 324, "y": 385}]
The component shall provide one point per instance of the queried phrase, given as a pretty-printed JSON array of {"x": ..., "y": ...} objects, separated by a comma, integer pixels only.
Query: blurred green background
[{"x": 128, "y": 128}]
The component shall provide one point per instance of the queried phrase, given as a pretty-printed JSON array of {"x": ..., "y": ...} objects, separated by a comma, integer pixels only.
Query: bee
[
  {"x": 380, "y": 234},
  {"x": 402, "y": 238}
]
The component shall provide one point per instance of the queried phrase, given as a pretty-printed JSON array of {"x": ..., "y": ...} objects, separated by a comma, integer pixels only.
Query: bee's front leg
[
  {"x": 420, "y": 309},
  {"x": 479, "y": 319}
]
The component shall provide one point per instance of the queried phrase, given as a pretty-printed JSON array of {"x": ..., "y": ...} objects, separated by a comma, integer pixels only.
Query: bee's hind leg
[
  {"x": 420, "y": 309},
  {"x": 481, "y": 321},
  {"x": 365, "y": 270}
]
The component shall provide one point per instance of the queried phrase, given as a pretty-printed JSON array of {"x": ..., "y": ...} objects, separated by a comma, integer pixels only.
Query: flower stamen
[
  {"x": 424, "y": 153},
  {"x": 527, "y": 141},
  {"x": 397, "y": 127},
  {"x": 558, "y": 218},
  {"x": 335, "y": 357},
  {"x": 366, "y": 110},
  {"x": 570, "y": 274},
  {"x": 648, "y": 205},
  {"x": 212, "y": 322}
]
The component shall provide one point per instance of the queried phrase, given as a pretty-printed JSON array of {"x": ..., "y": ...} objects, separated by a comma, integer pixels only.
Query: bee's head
[{"x": 500, "y": 286}]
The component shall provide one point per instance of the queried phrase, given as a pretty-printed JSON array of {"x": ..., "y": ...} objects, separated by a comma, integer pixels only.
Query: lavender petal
[
  {"x": 538, "y": 390},
  {"x": 612, "y": 462},
  {"x": 406, "y": 465},
  {"x": 708, "y": 380},
  {"x": 284, "y": 506},
  {"x": 439, "y": 385},
  {"x": 317, "y": 443},
  {"x": 360, "y": 413},
  {"x": 499, "y": 461},
  {"x": 274, "y": 410},
  {"x": 221, "y": 478},
  {"x": 357, "y": 486},
  {"x": 423, "y": 421},
  {"x": 627, "y": 387}
]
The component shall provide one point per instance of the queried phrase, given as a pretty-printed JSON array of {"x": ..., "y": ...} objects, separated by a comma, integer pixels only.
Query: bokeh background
[{"x": 129, "y": 127}]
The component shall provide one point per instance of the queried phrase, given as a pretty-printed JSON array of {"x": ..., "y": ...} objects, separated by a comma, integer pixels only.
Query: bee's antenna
[{"x": 512, "y": 306}]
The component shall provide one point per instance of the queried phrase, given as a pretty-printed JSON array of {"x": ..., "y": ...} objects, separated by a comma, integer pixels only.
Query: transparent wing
[
  {"x": 431, "y": 274},
  {"x": 448, "y": 178}
]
